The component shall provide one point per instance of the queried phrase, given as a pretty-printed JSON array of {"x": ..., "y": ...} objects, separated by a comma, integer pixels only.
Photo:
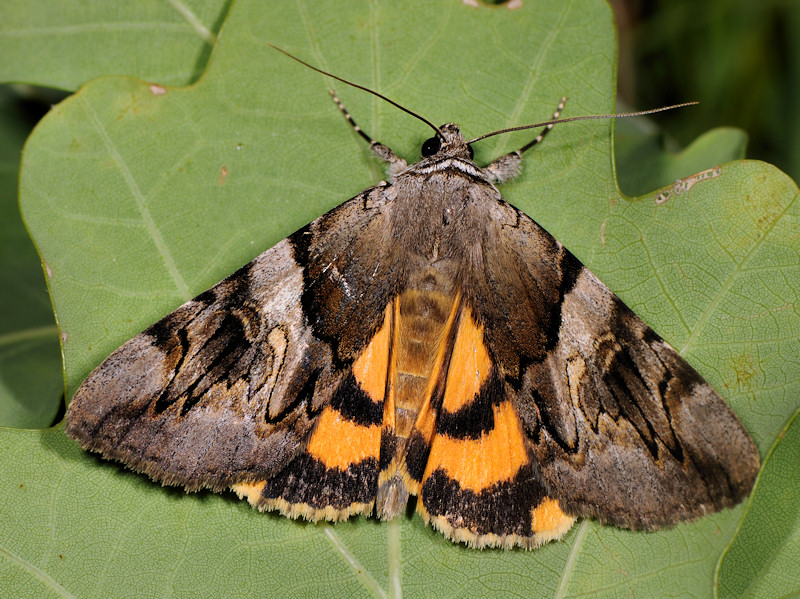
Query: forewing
[
  {"x": 620, "y": 426},
  {"x": 227, "y": 389}
]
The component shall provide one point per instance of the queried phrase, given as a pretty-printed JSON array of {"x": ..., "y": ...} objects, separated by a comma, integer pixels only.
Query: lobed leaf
[{"x": 140, "y": 196}]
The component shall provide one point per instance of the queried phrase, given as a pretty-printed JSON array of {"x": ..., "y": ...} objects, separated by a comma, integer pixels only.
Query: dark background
[{"x": 739, "y": 58}]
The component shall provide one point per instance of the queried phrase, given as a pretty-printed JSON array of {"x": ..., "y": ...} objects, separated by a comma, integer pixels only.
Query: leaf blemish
[
  {"x": 745, "y": 371},
  {"x": 683, "y": 185}
]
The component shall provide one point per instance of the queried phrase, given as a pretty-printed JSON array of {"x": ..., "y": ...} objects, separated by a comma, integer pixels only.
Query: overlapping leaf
[{"x": 64, "y": 44}]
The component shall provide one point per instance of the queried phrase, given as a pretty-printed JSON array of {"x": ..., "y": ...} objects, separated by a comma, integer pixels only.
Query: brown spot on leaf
[{"x": 745, "y": 371}]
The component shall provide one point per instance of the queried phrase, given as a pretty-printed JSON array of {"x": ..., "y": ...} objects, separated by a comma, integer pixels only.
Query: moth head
[{"x": 449, "y": 143}]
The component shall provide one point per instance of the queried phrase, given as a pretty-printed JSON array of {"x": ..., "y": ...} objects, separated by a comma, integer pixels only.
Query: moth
[{"x": 424, "y": 338}]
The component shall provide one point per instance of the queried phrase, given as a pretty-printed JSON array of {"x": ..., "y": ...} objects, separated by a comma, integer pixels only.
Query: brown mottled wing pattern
[
  {"x": 227, "y": 388},
  {"x": 620, "y": 427},
  {"x": 429, "y": 333}
]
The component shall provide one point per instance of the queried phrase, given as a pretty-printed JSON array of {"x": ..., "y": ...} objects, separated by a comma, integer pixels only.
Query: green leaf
[
  {"x": 643, "y": 165},
  {"x": 139, "y": 200},
  {"x": 64, "y": 44},
  {"x": 31, "y": 382},
  {"x": 762, "y": 562}
]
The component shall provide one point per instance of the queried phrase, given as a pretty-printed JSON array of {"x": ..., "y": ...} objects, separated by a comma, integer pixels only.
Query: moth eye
[
  {"x": 471, "y": 153},
  {"x": 431, "y": 146}
]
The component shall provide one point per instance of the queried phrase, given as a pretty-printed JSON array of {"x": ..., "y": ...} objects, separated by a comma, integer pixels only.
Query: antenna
[
  {"x": 361, "y": 87},
  {"x": 480, "y": 137},
  {"x": 586, "y": 117}
]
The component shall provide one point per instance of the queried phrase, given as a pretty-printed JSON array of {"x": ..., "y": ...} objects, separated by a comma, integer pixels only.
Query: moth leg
[
  {"x": 509, "y": 166},
  {"x": 383, "y": 152}
]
